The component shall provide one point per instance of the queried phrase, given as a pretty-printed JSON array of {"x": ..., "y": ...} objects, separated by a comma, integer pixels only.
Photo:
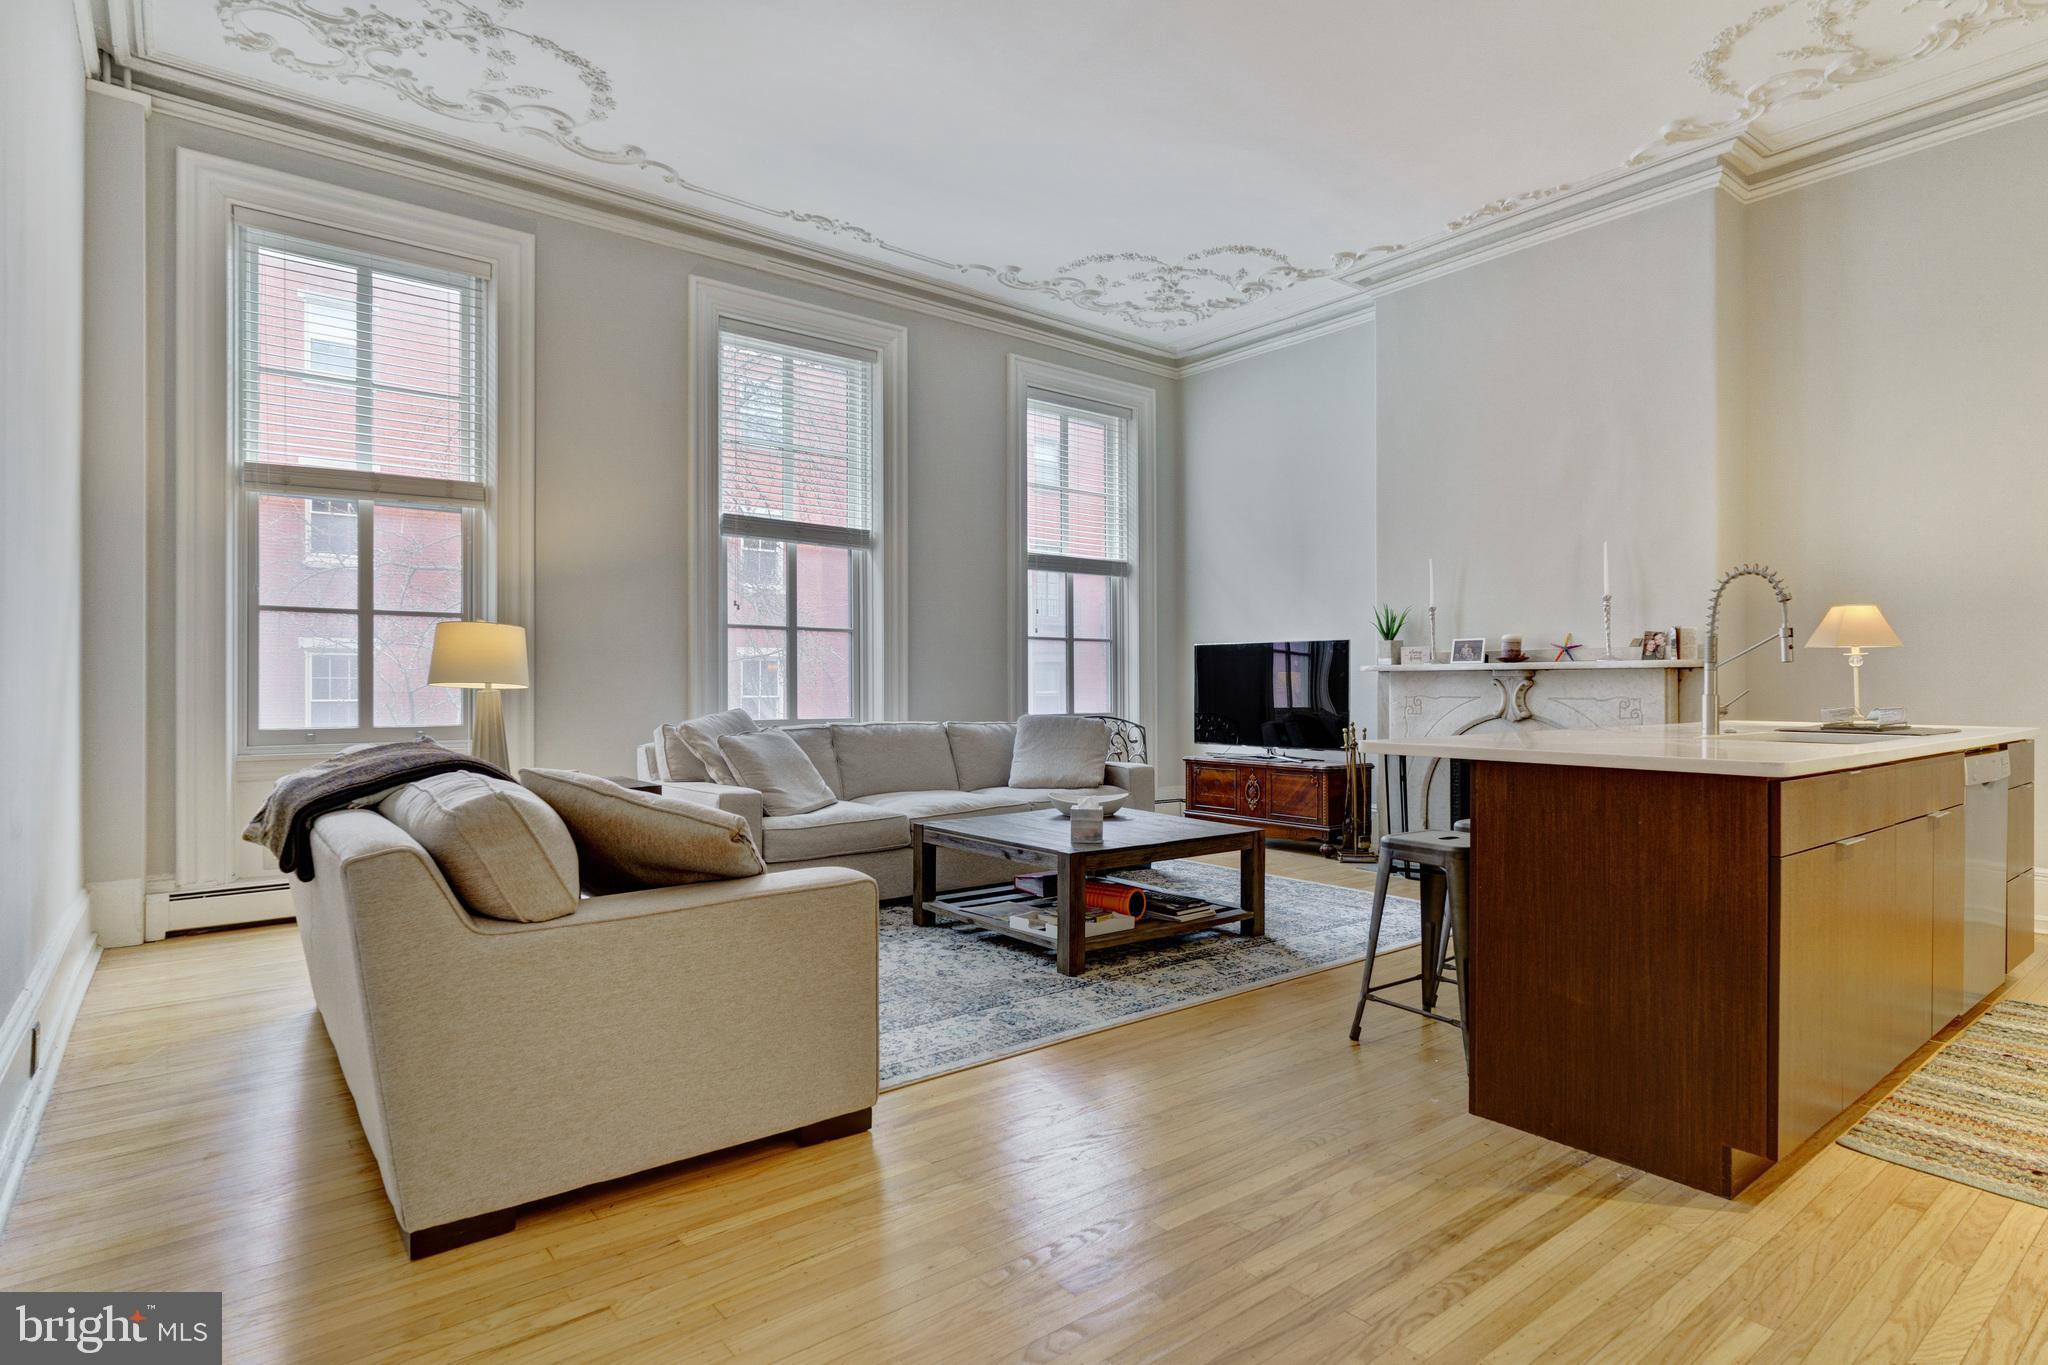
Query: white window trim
[
  {"x": 209, "y": 190},
  {"x": 885, "y": 682},
  {"x": 1138, "y": 673}
]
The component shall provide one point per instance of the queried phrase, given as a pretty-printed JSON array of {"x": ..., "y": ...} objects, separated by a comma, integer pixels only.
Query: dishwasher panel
[{"x": 1985, "y": 779}]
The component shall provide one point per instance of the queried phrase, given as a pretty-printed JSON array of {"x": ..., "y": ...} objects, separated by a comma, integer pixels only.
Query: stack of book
[
  {"x": 1113, "y": 905},
  {"x": 1044, "y": 923},
  {"x": 1179, "y": 909}
]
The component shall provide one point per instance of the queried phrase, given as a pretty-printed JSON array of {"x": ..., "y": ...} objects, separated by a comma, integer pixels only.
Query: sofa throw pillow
[
  {"x": 894, "y": 756},
  {"x": 1060, "y": 751},
  {"x": 628, "y": 840},
  {"x": 816, "y": 740},
  {"x": 774, "y": 765},
  {"x": 982, "y": 750},
  {"x": 673, "y": 761},
  {"x": 701, "y": 736},
  {"x": 503, "y": 850}
]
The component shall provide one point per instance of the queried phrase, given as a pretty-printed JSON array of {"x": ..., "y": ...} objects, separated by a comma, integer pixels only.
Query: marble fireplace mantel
[{"x": 1459, "y": 698}]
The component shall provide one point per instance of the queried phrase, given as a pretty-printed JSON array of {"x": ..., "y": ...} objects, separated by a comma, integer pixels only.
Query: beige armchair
[{"x": 494, "y": 1063}]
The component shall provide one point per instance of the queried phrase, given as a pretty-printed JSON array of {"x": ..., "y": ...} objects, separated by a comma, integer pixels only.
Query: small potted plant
[{"x": 1389, "y": 624}]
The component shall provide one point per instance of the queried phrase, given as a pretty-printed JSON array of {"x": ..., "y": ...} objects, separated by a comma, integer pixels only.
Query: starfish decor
[{"x": 1567, "y": 649}]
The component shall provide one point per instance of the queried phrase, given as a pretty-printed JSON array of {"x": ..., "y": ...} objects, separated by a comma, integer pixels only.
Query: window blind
[
  {"x": 345, "y": 360},
  {"x": 1077, "y": 469},
  {"x": 796, "y": 433}
]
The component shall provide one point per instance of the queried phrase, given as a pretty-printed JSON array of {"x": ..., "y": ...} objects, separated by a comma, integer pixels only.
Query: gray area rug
[{"x": 955, "y": 996}]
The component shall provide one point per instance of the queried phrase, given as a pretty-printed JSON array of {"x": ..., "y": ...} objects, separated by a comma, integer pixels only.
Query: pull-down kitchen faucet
[{"x": 1710, "y": 699}]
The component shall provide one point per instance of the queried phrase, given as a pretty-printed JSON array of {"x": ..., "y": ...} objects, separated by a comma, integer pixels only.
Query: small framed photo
[
  {"x": 1471, "y": 651},
  {"x": 1415, "y": 654},
  {"x": 1656, "y": 644}
]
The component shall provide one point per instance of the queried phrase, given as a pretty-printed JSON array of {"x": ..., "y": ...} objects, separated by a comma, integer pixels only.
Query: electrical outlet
[{"x": 35, "y": 1047}]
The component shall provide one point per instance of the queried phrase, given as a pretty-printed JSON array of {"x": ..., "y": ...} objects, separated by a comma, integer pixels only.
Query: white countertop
[
  {"x": 1496, "y": 666},
  {"x": 1683, "y": 749}
]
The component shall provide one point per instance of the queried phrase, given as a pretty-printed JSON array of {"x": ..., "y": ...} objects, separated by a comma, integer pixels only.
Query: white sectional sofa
[{"x": 885, "y": 777}]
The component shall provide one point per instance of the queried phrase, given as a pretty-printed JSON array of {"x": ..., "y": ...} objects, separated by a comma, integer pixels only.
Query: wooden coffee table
[{"x": 1043, "y": 839}]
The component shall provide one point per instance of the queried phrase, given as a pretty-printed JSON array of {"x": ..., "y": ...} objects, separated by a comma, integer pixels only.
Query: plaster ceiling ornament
[
  {"x": 476, "y": 62},
  {"x": 372, "y": 45},
  {"x": 1147, "y": 291},
  {"x": 1837, "y": 59}
]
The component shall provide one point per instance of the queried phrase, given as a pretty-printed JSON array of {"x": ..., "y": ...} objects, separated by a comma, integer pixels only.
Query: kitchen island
[{"x": 1690, "y": 953}]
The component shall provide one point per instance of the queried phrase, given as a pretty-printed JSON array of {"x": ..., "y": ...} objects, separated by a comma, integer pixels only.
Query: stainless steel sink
[{"x": 1817, "y": 736}]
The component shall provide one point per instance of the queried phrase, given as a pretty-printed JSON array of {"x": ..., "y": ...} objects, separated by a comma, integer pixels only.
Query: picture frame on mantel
[
  {"x": 1415, "y": 654},
  {"x": 1656, "y": 645},
  {"x": 1472, "y": 651}
]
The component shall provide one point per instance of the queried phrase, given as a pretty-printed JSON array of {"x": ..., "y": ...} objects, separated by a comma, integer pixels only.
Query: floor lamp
[{"x": 488, "y": 659}]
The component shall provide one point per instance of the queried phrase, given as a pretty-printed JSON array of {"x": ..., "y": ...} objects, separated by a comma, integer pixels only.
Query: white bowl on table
[{"x": 1063, "y": 802}]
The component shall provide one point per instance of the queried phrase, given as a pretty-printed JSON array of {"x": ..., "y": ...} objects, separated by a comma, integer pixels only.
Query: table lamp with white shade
[
  {"x": 1854, "y": 629},
  {"x": 488, "y": 659}
]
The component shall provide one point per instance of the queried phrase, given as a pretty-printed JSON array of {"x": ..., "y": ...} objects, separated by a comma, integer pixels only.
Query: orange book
[{"x": 1114, "y": 898}]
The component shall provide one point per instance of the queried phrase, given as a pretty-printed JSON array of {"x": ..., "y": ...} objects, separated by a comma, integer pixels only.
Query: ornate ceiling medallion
[{"x": 376, "y": 46}]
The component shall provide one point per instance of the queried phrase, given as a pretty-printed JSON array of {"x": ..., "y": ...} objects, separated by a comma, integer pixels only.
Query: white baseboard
[
  {"x": 41, "y": 1017},
  {"x": 116, "y": 912}
]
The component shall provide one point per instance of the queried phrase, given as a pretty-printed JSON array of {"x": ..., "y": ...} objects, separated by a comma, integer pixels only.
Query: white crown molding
[
  {"x": 1762, "y": 174},
  {"x": 1339, "y": 316},
  {"x": 564, "y": 101},
  {"x": 1723, "y": 151},
  {"x": 390, "y": 48},
  {"x": 1738, "y": 167},
  {"x": 361, "y": 139},
  {"x": 1617, "y": 195}
]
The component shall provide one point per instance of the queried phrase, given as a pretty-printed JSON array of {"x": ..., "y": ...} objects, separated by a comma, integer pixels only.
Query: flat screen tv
[{"x": 1284, "y": 694}]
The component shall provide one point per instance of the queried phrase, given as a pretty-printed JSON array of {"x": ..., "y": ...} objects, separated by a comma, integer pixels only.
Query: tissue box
[{"x": 1087, "y": 825}]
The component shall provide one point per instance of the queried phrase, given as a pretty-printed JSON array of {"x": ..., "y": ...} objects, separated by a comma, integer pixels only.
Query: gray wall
[
  {"x": 1899, "y": 366},
  {"x": 1535, "y": 405},
  {"x": 612, "y": 554},
  {"x": 42, "y": 122},
  {"x": 1278, "y": 472}
]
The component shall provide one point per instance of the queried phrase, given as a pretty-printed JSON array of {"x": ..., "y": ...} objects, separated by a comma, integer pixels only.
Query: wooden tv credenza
[{"x": 1287, "y": 799}]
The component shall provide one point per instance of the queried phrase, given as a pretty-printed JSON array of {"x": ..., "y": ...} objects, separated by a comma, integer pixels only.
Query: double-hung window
[
  {"x": 360, "y": 420},
  {"x": 797, "y": 426},
  {"x": 1078, "y": 553}
]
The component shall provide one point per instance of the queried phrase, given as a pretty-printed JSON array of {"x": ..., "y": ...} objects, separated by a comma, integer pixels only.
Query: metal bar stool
[{"x": 1442, "y": 858}]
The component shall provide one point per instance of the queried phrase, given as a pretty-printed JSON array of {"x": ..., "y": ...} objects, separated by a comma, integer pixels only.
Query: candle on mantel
[
  {"x": 1432, "y": 582},
  {"x": 1606, "y": 588}
]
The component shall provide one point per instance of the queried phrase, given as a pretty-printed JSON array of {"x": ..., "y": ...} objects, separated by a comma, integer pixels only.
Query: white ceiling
[{"x": 1171, "y": 172}]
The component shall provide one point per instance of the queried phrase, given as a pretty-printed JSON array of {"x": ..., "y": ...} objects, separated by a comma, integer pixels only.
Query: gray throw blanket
[{"x": 285, "y": 824}]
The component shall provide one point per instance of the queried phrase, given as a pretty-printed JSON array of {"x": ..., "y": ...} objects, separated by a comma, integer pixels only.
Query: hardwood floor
[{"x": 1234, "y": 1181}]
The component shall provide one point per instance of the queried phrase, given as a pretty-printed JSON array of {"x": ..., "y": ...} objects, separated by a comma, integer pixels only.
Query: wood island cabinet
[{"x": 1695, "y": 974}]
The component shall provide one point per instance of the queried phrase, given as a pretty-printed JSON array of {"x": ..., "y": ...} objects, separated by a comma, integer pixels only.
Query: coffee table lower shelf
[
  {"x": 1044, "y": 840},
  {"x": 949, "y": 906}
]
